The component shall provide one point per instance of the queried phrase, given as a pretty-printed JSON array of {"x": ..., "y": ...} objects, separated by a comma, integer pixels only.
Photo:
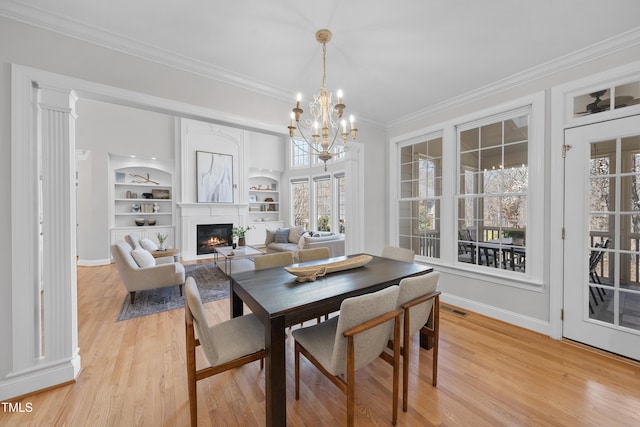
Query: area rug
[{"x": 212, "y": 283}]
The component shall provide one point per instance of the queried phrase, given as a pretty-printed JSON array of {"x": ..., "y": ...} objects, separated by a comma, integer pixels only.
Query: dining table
[{"x": 279, "y": 301}]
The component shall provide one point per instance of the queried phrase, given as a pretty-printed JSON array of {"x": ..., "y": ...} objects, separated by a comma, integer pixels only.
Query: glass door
[{"x": 602, "y": 236}]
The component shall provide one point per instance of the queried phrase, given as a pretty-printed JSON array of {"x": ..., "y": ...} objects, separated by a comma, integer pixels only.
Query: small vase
[
  {"x": 241, "y": 241},
  {"x": 161, "y": 246}
]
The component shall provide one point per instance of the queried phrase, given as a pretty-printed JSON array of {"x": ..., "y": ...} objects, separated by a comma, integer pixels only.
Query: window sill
[{"x": 499, "y": 277}]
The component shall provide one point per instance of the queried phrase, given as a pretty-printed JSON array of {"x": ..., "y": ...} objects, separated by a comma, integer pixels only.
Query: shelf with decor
[
  {"x": 264, "y": 204},
  {"x": 142, "y": 198}
]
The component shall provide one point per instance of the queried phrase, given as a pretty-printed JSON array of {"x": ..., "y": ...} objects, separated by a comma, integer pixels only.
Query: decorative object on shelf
[
  {"x": 156, "y": 208},
  {"x": 215, "y": 177},
  {"x": 147, "y": 195},
  {"x": 326, "y": 117},
  {"x": 139, "y": 221},
  {"x": 139, "y": 179},
  {"x": 312, "y": 272},
  {"x": 157, "y": 193},
  {"x": 135, "y": 207},
  {"x": 253, "y": 198},
  {"x": 151, "y": 221},
  {"x": 161, "y": 239},
  {"x": 240, "y": 232}
]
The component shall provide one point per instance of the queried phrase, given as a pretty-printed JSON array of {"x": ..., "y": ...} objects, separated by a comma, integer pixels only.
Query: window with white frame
[
  {"x": 420, "y": 197},
  {"x": 340, "y": 194},
  {"x": 299, "y": 154},
  {"x": 300, "y": 198},
  {"x": 323, "y": 203},
  {"x": 493, "y": 191}
]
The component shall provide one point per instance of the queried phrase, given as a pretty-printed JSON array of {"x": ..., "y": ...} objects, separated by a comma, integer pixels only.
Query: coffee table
[{"x": 228, "y": 253}]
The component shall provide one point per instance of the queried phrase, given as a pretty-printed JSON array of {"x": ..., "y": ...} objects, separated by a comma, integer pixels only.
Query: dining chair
[
  {"x": 273, "y": 260},
  {"x": 305, "y": 255},
  {"x": 352, "y": 340},
  {"x": 399, "y": 254},
  {"x": 419, "y": 300},
  {"x": 220, "y": 343}
]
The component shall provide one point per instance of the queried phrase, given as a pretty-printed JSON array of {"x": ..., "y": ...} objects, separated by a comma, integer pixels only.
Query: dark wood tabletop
[{"x": 278, "y": 300}]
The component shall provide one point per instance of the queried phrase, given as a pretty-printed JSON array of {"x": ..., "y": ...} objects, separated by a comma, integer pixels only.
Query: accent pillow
[
  {"x": 282, "y": 235},
  {"x": 143, "y": 258},
  {"x": 148, "y": 245},
  {"x": 270, "y": 237},
  {"x": 295, "y": 233}
]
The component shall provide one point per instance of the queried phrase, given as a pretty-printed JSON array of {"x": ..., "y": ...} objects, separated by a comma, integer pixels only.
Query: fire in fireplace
[{"x": 212, "y": 235}]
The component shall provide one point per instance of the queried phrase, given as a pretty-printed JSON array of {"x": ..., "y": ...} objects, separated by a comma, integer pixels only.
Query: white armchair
[{"x": 137, "y": 278}]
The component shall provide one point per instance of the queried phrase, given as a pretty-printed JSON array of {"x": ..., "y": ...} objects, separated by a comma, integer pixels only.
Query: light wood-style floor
[{"x": 491, "y": 374}]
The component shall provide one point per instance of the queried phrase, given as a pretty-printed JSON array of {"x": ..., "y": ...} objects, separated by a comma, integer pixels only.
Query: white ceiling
[{"x": 391, "y": 58}]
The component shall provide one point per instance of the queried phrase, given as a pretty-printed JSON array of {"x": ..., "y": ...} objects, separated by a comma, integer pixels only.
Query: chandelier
[{"x": 324, "y": 124}]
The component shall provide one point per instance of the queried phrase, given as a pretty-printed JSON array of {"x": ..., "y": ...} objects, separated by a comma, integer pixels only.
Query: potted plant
[
  {"x": 240, "y": 232},
  {"x": 161, "y": 238},
  {"x": 517, "y": 235}
]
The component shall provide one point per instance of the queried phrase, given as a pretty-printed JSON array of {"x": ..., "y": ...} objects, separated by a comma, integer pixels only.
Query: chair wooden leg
[
  {"x": 180, "y": 287},
  {"x": 132, "y": 297},
  {"x": 396, "y": 369},
  {"x": 436, "y": 336},
  {"x": 351, "y": 394},
  {"x": 191, "y": 377},
  {"x": 405, "y": 360},
  {"x": 297, "y": 369}
]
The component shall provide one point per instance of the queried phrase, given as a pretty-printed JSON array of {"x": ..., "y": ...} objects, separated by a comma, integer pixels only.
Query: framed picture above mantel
[{"x": 214, "y": 175}]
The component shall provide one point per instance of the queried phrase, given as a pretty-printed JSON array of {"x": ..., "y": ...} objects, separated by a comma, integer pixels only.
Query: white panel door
[{"x": 602, "y": 236}]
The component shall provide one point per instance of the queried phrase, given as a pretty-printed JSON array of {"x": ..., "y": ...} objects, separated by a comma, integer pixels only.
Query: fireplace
[{"x": 209, "y": 236}]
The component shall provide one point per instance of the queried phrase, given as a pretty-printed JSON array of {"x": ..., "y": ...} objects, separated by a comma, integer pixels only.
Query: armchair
[{"x": 136, "y": 278}]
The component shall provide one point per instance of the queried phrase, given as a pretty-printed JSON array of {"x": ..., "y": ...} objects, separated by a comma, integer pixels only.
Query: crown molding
[
  {"x": 98, "y": 36},
  {"x": 598, "y": 50}
]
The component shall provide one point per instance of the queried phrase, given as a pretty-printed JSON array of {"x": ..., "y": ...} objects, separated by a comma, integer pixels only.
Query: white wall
[{"x": 101, "y": 129}]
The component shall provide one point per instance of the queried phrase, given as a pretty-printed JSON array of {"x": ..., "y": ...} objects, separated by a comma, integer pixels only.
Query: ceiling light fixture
[{"x": 329, "y": 129}]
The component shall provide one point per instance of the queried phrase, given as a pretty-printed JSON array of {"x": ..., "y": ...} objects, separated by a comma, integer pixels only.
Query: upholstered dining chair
[
  {"x": 273, "y": 260},
  {"x": 352, "y": 340},
  {"x": 399, "y": 254},
  {"x": 419, "y": 300},
  {"x": 305, "y": 255},
  {"x": 220, "y": 344}
]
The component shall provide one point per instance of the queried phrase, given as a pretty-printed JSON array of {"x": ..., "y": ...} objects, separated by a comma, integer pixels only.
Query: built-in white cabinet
[
  {"x": 264, "y": 199},
  {"x": 142, "y": 195}
]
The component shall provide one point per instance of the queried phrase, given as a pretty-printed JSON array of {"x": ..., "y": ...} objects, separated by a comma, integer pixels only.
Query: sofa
[{"x": 292, "y": 239}]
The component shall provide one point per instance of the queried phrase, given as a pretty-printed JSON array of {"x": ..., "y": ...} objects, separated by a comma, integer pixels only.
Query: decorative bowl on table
[
  {"x": 139, "y": 221},
  {"x": 312, "y": 272}
]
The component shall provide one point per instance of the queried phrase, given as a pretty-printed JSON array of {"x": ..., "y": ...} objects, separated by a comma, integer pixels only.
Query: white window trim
[{"x": 533, "y": 278}]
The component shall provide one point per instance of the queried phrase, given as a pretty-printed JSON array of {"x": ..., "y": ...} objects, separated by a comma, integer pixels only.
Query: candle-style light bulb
[
  {"x": 298, "y": 99},
  {"x": 352, "y": 120},
  {"x": 339, "y": 96},
  {"x": 344, "y": 126}
]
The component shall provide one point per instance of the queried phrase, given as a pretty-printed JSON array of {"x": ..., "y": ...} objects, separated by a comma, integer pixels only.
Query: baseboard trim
[
  {"x": 507, "y": 316},
  {"x": 34, "y": 380},
  {"x": 93, "y": 262}
]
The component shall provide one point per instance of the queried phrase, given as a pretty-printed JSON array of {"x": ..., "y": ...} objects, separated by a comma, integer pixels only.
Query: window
[
  {"x": 300, "y": 202},
  {"x": 340, "y": 182},
  {"x": 299, "y": 154},
  {"x": 493, "y": 186},
  {"x": 420, "y": 194},
  {"x": 323, "y": 203}
]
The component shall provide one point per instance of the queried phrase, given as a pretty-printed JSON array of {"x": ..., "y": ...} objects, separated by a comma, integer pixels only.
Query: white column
[
  {"x": 59, "y": 223},
  {"x": 44, "y": 339}
]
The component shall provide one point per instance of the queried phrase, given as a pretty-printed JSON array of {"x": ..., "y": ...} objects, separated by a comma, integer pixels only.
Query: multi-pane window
[
  {"x": 340, "y": 183},
  {"x": 299, "y": 154},
  {"x": 420, "y": 197},
  {"x": 493, "y": 191},
  {"x": 323, "y": 203},
  {"x": 300, "y": 203}
]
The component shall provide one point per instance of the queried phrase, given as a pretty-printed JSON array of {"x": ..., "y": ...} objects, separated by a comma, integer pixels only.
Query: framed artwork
[
  {"x": 214, "y": 177},
  {"x": 253, "y": 198}
]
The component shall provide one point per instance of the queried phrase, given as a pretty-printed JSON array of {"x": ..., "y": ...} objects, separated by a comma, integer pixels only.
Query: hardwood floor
[{"x": 490, "y": 374}]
